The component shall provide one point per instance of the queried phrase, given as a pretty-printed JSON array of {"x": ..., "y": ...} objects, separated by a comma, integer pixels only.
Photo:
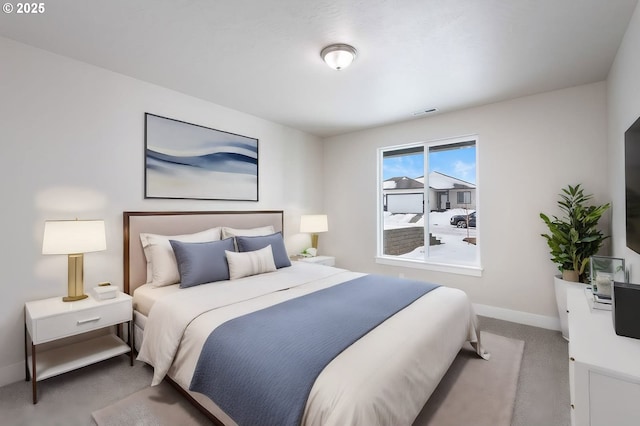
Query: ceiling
[{"x": 262, "y": 57}]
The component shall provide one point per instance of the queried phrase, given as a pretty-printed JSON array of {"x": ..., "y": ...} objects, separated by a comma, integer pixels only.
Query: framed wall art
[{"x": 188, "y": 161}]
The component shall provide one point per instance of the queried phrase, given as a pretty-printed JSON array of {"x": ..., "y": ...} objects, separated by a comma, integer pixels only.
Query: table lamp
[
  {"x": 313, "y": 224},
  {"x": 74, "y": 238}
]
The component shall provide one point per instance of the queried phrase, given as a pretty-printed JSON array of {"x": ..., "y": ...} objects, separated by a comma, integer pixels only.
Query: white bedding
[
  {"x": 146, "y": 295},
  {"x": 384, "y": 378}
]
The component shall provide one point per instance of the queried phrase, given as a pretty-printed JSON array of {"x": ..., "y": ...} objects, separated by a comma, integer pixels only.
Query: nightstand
[
  {"x": 52, "y": 319},
  {"x": 320, "y": 260}
]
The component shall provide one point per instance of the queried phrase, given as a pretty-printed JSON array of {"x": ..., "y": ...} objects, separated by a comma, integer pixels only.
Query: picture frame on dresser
[{"x": 190, "y": 161}]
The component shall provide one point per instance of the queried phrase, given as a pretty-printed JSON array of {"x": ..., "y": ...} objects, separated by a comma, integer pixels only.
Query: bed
[{"x": 384, "y": 377}]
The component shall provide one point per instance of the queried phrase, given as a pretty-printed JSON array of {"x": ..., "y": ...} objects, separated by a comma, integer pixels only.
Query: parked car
[{"x": 460, "y": 220}]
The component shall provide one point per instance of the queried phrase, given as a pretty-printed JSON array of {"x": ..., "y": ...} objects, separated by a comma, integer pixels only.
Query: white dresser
[{"x": 604, "y": 368}]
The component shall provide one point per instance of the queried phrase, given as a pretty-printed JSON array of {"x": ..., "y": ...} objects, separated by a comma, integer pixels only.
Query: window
[
  {"x": 429, "y": 219},
  {"x": 464, "y": 197}
]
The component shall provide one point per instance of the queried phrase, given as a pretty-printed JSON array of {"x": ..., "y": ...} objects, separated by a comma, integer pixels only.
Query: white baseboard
[
  {"x": 526, "y": 318},
  {"x": 11, "y": 373}
]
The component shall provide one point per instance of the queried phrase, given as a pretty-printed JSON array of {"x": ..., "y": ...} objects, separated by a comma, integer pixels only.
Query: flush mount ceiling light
[{"x": 338, "y": 56}]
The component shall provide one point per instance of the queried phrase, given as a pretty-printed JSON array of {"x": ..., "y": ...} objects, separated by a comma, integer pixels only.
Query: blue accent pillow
[
  {"x": 200, "y": 263},
  {"x": 276, "y": 241}
]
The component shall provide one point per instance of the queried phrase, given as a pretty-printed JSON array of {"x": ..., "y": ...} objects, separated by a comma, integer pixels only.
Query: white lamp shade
[
  {"x": 314, "y": 223},
  {"x": 73, "y": 236}
]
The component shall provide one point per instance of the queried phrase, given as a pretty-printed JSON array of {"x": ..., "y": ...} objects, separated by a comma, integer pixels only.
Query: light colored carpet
[
  {"x": 476, "y": 391},
  {"x": 544, "y": 374},
  {"x": 473, "y": 391},
  {"x": 159, "y": 405}
]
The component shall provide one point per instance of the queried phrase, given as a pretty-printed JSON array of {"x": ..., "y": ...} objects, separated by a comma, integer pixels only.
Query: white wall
[
  {"x": 72, "y": 138},
  {"x": 528, "y": 149},
  {"x": 624, "y": 109},
  {"x": 72, "y": 146}
]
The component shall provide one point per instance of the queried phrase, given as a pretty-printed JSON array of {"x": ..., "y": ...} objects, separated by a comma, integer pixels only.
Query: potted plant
[{"x": 572, "y": 240}]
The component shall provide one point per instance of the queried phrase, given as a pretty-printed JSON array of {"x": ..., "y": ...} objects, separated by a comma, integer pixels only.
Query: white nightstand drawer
[
  {"x": 75, "y": 322},
  {"x": 84, "y": 316}
]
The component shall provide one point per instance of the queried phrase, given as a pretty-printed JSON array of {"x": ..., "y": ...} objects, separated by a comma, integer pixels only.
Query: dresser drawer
[{"x": 75, "y": 322}]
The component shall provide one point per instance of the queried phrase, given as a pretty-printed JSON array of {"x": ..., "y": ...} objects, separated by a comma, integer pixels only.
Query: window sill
[{"x": 474, "y": 271}]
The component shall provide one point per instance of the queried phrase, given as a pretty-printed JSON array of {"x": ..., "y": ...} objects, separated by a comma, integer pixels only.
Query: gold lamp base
[
  {"x": 314, "y": 241},
  {"x": 75, "y": 285},
  {"x": 74, "y": 298}
]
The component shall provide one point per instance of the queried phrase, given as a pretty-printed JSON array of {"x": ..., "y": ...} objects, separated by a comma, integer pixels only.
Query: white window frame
[{"x": 454, "y": 268}]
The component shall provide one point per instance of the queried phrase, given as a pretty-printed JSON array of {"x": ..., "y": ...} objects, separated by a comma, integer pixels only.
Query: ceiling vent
[{"x": 424, "y": 112}]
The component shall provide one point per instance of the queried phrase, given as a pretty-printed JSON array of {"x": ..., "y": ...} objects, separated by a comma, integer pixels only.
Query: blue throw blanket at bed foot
[{"x": 260, "y": 367}]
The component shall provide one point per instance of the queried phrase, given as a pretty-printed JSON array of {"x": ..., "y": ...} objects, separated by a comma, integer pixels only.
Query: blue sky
[{"x": 459, "y": 163}]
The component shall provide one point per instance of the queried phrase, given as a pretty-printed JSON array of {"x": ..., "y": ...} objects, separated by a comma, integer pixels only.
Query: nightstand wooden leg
[
  {"x": 133, "y": 336},
  {"x": 27, "y": 375},
  {"x": 130, "y": 340},
  {"x": 34, "y": 388}
]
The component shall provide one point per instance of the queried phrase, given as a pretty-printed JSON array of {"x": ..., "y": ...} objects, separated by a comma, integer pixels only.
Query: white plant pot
[{"x": 561, "y": 287}]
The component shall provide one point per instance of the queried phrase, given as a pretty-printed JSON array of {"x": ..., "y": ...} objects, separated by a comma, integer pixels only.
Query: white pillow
[
  {"x": 251, "y": 232},
  {"x": 162, "y": 268},
  {"x": 250, "y": 262}
]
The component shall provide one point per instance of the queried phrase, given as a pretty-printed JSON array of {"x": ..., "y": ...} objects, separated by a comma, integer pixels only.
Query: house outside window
[{"x": 429, "y": 220}]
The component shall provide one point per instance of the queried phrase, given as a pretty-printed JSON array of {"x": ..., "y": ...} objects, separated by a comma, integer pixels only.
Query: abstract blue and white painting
[{"x": 184, "y": 160}]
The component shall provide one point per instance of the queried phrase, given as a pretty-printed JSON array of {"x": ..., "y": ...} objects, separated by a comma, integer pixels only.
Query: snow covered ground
[{"x": 453, "y": 248}]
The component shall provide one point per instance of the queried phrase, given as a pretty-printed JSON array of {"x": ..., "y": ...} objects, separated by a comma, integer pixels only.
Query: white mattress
[
  {"x": 384, "y": 378},
  {"x": 146, "y": 295}
]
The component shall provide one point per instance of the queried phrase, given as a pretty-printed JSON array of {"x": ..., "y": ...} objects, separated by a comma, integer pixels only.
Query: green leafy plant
[{"x": 574, "y": 237}]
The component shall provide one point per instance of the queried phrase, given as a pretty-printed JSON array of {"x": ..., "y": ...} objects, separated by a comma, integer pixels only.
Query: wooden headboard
[{"x": 175, "y": 223}]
